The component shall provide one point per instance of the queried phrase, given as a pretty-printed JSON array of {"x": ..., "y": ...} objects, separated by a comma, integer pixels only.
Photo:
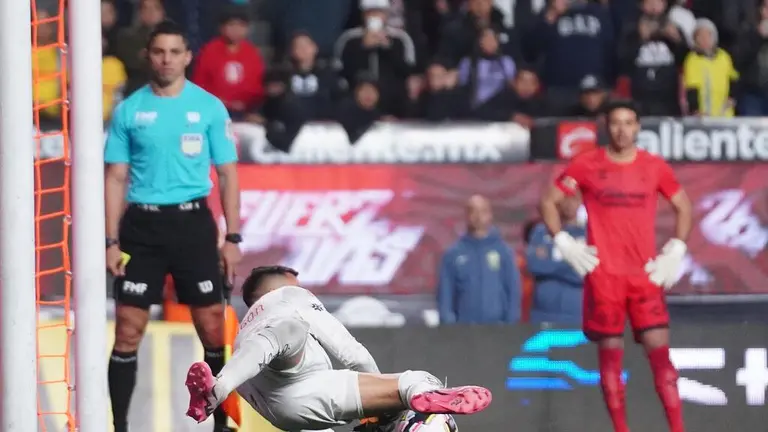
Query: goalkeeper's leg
[
  {"x": 650, "y": 321},
  {"x": 419, "y": 391}
]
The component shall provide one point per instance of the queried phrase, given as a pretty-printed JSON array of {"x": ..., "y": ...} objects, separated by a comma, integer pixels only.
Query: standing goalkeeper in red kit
[{"x": 624, "y": 275}]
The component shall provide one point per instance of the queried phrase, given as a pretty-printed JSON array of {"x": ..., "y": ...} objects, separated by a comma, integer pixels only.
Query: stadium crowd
[{"x": 281, "y": 63}]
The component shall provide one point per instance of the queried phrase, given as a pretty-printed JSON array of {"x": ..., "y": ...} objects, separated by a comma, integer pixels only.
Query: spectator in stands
[
  {"x": 650, "y": 54},
  {"x": 572, "y": 40},
  {"x": 750, "y": 56},
  {"x": 283, "y": 116},
  {"x": 130, "y": 46},
  {"x": 46, "y": 63},
  {"x": 479, "y": 281},
  {"x": 557, "y": 295},
  {"x": 435, "y": 16},
  {"x": 386, "y": 53},
  {"x": 358, "y": 113},
  {"x": 526, "y": 101},
  {"x": 406, "y": 15},
  {"x": 109, "y": 25},
  {"x": 487, "y": 75},
  {"x": 112, "y": 79},
  {"x": 313, "y": 82},
  {"x": 444, "y": 100},
  {"x": 231, "y": 67},
  {"x": 460, "y": 37},
  {"x": 709, "y": 75},
  {"x": 592, "y": 99}
]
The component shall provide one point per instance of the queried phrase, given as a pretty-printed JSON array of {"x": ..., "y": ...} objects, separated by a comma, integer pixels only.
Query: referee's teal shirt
[{"x": 170, "y": 143}]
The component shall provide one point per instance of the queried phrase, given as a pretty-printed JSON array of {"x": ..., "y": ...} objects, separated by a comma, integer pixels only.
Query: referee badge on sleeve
[
  {"x": 230, "y": 130},
  {"x": 191, "y": 144}
]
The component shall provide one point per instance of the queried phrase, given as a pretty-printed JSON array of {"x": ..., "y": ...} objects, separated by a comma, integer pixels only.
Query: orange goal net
[{"x": 52, "y": 217}]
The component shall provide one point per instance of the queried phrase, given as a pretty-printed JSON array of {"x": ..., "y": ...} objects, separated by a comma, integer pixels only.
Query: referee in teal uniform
[{"x": 160, "y": 147}]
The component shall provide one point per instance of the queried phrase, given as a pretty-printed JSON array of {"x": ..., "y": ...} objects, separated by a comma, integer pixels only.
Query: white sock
[{"x": 410, "y": 383}]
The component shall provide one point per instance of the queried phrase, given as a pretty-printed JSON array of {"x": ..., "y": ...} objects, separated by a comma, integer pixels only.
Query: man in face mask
[{"x": 375, "y": 49}]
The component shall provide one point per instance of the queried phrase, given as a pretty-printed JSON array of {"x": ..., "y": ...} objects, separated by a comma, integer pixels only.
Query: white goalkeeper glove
[
  {"x": 663, "y": 269},
  {"x": 578, "y": 255}
]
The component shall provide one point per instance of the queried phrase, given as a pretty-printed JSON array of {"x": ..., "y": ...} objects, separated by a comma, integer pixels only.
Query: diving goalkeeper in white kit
[{"x": 281, "y": 366}]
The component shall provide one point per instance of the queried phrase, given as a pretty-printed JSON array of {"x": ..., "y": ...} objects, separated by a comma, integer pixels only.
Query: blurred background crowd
[{"x": 281, "y": 63}]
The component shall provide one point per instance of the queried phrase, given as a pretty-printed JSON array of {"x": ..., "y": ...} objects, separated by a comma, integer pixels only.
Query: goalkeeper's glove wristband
[
  {"x": 663, "y": 270},
  {"x": 579, "y": 256}
]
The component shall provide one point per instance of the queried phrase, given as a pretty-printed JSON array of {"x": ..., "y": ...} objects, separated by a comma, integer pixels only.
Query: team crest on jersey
[
  {"x": 191, "y": 144},
  {"x": 193, "y": 117},
  {"x": 230, "y": 130},
  {"x": 569, "y": 182},
  {"x": 494, "y": 260}
]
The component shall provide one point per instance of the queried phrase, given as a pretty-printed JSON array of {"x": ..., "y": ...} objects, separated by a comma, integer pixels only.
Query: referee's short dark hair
[
  {"x": 617, "y": 104},
  {"x": 259, "y": 275},
  {"x": 167, "y": 27}
]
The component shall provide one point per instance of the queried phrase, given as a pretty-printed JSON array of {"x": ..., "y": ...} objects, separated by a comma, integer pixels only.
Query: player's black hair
[
  {"x": 167, "y": 27},
  {"x": 617, "y": 104},
  {"x": 259, "y": 275}
]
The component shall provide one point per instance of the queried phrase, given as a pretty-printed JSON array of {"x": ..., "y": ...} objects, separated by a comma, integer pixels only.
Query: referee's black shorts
[{"x": 180, "y": 240}]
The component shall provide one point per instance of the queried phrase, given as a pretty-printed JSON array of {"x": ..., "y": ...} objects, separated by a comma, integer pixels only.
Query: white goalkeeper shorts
[
  {"x": 309, "y": 396},
  {"x": 310, "y": 401}
]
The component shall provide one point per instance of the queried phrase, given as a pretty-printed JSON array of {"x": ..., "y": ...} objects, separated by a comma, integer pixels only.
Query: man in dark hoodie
[
  {"x": 573, "y": 39},
  {"x": 314, "y": 83},
  {"x": 651, "y": 53},
  {"x": 479, "y": 281}
]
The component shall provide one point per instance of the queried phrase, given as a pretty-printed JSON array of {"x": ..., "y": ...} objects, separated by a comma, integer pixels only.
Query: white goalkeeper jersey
[{"x": 328, "y": 336}]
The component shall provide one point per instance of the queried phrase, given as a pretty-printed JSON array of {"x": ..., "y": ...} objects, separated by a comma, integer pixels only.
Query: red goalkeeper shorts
[{"x": 610, "y": 299}]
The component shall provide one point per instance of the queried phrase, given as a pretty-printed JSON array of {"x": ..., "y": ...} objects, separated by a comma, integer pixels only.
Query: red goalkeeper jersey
[{"x": 621, "y": 201}]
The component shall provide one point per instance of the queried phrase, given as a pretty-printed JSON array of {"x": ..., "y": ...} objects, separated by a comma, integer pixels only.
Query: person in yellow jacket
[
  {"x": 113, "y": 80},
  {"x": 709, "y": 75},
  {"x": 46, "y": 67}
]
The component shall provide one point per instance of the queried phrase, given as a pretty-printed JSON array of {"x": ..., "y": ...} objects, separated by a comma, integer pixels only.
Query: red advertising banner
[{"x": 381, "y": 229}]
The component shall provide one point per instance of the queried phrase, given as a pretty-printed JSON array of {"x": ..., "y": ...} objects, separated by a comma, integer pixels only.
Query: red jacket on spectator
[{"x": 232, "y": 75}]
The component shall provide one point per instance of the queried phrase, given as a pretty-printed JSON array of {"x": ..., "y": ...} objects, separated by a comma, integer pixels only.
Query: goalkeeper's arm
[
  {"x": 549, "y": 212},
  {"x": 581, "y": 257},
  {"x": 683, "y": 214}
]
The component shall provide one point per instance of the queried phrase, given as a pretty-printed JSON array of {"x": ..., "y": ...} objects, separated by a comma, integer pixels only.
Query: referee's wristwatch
[
  {"x": 112, "y": 242},
  {"x": 233, "y": 238}
]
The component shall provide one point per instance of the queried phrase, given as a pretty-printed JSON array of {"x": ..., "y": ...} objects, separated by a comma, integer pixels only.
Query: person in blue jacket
[
  {"x": 479, "y": 281},
  {"x": 557, "y": 293}
]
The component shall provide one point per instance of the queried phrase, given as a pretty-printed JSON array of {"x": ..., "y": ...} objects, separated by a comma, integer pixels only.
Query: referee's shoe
[{"x": 160, "y": 146}]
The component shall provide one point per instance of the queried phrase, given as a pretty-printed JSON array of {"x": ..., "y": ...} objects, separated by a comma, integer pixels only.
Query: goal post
[
  {"x": 18, "y": 316},
  {"x": 88, "y": 251}
]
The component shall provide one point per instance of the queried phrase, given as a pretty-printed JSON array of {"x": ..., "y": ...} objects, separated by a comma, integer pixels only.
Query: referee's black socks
[
  {"x": 122, "y": 380},
  {"x": 215, "y": 359}
]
